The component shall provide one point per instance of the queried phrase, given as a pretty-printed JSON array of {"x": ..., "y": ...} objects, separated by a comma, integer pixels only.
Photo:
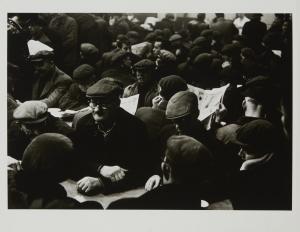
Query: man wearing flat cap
[
  {"x": 146, "y": 84},
  {"x": 31, "y": 119},
  {"x": 264, "y": 180},
  {"x": 261, "y": 98},
  {"x": 110, "y": 142},
  {"x": 75, "y": 97},
  {"x": 50, "y": 82},
  {"x": 186, "y": 162},
  {"x": 121, "y": 64}
]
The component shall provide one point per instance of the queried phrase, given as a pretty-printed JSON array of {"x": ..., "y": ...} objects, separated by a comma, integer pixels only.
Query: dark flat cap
[
  {"x": 261, "y": 89},
  {"x": 259, "y": 135},
  {"x": 83, "y": 73},
  {"x": 175, "y": 37},
  {"x": 207, "y": 33},
  {"x": 144, "y": 64},
  {"x": 182, "y": 104},
  {"x": 189, "y": 158},
  {"x": 31, "y": 112},
  {"x": 48, "y": 155},
  {"x": 171, "y": 85},
  {"x": 203, "y": 60},
  {"x": 105, "y": 88},
  {"x": 230, "y": 50}
]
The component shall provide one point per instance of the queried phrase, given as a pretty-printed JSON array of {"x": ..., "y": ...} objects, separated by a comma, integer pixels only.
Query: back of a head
[
  {"x": 170, "y": 85},
  {"x": 189, "y": 159},
  {"x": 181, "y": 104},
  {"x": 47, "y": 157}
]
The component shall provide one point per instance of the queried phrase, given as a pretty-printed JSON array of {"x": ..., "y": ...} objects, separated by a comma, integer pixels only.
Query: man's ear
[{"x": 166, "y": 170}]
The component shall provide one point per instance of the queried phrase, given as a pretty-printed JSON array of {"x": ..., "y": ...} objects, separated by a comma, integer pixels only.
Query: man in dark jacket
[
  {"x": 146, "y": 84},
  {"x": 110, "y": 142},
  {"x": 75, "y": 97},
  {"x": 264, "y": 180},
  {"x": 186, "y": 162},
  {"x": 50, "y": 83},
  {"x": 254, "y": 31},
  {"x": 34, "y": 182}
]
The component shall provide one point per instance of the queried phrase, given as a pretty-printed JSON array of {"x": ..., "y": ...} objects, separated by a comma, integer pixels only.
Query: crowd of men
[{"x": 90, "y": 61}]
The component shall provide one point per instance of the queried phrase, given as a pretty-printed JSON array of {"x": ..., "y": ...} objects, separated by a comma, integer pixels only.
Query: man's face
[
  {"x": 32, "y": 130},
  {"x": 126, "y": 47},
  {"x": 247, "y": 102},
  {"x": 103, "y": 111},
  {"x": 143, "y": 76},
  {"x": 157, "y": 47},
  {"x": 43, "y": 68}
]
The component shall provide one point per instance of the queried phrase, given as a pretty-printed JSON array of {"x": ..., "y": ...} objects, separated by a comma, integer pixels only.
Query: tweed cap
[
  {"x": 107, "y": 88},
  {"x": 83, "y": 73},
  {"x": 259, "y": 135},
  {"x": 42, "y": 55},
  {"x": 182, "y": 104},
  {"x": 31, "y": 112},
  {"x": 175, "y": 37},
  {"x": 47, "y": 156},
  {"x": 39, "y": 51},
  {"x": 171, "y": 85},
  {"x": 144, "y": 64}
]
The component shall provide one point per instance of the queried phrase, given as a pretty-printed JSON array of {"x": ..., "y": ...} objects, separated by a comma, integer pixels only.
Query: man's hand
[
  {"x": 88, "y": 184},
  {"x": 156, "y": 101},
  {"x": 153, "y": 182},
  {"x": 114, "y": 173}
]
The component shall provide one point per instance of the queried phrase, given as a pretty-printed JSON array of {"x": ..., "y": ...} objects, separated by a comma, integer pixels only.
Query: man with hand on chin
[{"x": 111, "y": 143}]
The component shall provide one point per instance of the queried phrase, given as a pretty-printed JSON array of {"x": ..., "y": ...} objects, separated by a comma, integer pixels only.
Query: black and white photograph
[{"x": 149, "y": 111}]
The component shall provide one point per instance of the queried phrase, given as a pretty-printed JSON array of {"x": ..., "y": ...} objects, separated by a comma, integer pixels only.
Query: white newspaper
[
  {"x": 209, "y": 100},
  {"x": 137, "y": 49},
  {"x": 130, "y": 103}
]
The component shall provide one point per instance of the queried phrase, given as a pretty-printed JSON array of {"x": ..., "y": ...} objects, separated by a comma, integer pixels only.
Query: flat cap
[
  {"x": 105, "y": 88},
  {"x": 41, "y": 55},
  {"x": 83, "y": 73},
  {"x": 203, "y": 60},
  {"x": 47, "y": 156},
  {"x": 39, "y": 51},
  {"x": 175, "y": 37},
  {"x": 188, "y": 157},
  {"x": 144, "y": 64},
  {"x": 166, "y": 55},
  {"x": 88, "y": 49},
  {"x": 231, "y": 50},
  {"x": 31, "y": 112},
  {"x": 171, "y": 85},
  {"x": 261, "y": 89},
  {"x": 207, "y": 33},
  {"x": 259, "y": 135},
  {"x": 182, "y": 104}
]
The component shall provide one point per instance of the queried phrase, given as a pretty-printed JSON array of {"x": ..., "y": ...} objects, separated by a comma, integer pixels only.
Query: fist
[
  {"x": 114, "y": 173},
  {"x": 153, "y": 182},
  {"x": 88, "y": 184}
]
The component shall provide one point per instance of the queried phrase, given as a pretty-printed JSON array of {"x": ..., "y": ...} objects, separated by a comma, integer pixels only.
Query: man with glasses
[{"x": 110, "y": 142}]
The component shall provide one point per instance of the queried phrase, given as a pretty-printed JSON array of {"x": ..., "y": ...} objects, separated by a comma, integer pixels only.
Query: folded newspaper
[{"x": 209, "y": 100}]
